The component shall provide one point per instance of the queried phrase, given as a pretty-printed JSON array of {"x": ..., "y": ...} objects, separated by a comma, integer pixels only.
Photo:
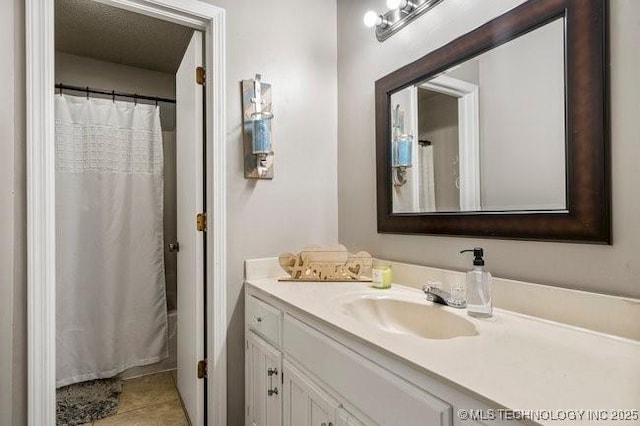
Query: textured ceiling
[{"x": 89, "y": 28}]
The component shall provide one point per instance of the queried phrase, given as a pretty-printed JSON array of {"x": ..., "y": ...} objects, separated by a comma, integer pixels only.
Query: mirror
[
  {"x": 480, "y": 136},
  {"x": 487, "y": 134}
]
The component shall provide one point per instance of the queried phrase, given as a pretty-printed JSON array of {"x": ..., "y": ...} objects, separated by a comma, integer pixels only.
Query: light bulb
[
  {"x": 371, "y": 19},
  {"x": 404, "y": 5}
]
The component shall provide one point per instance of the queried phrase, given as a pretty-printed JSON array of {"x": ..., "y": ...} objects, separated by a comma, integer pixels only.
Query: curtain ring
[
  {"x": 156, "y": 103},
  {"x": 60, "y": 87},
  {"x": 135, "y": 99},
  {"x": 113, "y": 96},
  {"x": 87, "y": 92}
]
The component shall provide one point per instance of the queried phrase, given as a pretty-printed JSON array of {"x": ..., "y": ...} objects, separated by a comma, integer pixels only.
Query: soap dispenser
[{"x": 479, "y": 283}]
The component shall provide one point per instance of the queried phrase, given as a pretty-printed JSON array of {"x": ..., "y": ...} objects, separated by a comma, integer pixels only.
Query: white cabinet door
[
  {"x": 264, "y": 386},
  {"x": 304, "y": 403}
]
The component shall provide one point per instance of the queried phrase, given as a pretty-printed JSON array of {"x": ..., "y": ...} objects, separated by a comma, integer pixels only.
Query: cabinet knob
[{"x": 257, "y": 319}]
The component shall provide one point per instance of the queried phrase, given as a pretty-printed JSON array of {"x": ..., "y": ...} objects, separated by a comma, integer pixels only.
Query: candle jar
[
  {"x": 381, "y": 276},
  {"x": 261, "y": 133}
]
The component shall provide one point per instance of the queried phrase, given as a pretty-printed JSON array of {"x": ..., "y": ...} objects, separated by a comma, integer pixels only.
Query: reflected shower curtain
[
  {"x": 110, "y": 296},
  {"x": 427, "y": 179}
]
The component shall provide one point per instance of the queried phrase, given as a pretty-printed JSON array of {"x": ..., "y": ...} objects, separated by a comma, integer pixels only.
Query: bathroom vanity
[
  {"x": 301, "y": 371},
  {"x": 344, "y": 354}
]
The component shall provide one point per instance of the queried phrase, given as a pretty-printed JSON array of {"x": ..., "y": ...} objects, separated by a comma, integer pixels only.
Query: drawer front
[
  {"x": 385, "y": 398},
  {"x": 264, "y": 320}
]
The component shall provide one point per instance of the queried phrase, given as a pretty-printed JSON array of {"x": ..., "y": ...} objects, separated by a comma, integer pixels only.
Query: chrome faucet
[{"x": 437, "y": 295}]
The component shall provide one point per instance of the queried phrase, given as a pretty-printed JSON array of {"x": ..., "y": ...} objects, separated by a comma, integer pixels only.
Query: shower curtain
[{"x": 110, "y": 296}]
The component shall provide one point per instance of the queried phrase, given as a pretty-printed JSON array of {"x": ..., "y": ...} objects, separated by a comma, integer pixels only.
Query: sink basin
[{"x": 401, "y": 316}]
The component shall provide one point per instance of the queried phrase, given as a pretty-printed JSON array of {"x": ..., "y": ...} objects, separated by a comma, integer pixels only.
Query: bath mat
[{"x": 87, "y": 401}]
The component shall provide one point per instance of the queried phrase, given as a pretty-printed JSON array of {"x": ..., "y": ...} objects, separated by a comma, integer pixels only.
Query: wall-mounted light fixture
[
  {"x": 400, "y": 13},
  {"x": 401, "y": 148},
  {"x": 256, "y": 118}
]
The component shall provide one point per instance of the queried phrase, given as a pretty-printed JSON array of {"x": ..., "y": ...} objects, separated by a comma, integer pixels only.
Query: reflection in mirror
[{"x": 487, "y": 134}]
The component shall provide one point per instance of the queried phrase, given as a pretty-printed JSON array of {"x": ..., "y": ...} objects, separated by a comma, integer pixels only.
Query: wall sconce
[
  {"x": 400, "y": 13},
  {"x": 256, "y": 119},
  {"x": 401, "y": 149}
]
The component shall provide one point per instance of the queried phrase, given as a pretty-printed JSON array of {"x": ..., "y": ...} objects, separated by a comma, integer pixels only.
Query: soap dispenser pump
[{"x": 479, "y": 283}]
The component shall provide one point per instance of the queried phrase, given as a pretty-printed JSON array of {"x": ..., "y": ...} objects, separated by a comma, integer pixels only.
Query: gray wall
[
  {"x": 299, "y": 207},
  {"x": 468, "y": 71},
  {"x": 297, "y": 56},
  {"x": 362, "y": 60},
  {"x": 522, "y": 154}
]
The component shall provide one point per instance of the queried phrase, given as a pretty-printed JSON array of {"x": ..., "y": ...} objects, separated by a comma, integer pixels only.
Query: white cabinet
[
  {"x": 263, "y": 381},
  {"x": 299, "y": 373},
  {"x": 304, "y": 403},
  {"x": 386, "y": 398}
]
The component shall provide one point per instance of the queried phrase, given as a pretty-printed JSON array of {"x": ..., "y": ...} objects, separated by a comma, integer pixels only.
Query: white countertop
[{"x": 517, "y": 361}]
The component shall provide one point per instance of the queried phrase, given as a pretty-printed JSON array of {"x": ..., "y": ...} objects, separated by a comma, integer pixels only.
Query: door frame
[
  {"x": 468, "y": 135},
  {"x": 41, "y": 244}
]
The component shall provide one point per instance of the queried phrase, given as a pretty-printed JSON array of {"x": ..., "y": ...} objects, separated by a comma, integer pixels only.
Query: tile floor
[{"x": 148, "y": 401}]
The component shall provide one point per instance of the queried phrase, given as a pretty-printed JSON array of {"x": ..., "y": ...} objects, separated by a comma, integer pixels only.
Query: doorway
[
  {"x": 130, "y": 264},
  {"x": 44, "y": 180},
  {"x": 465, "y": 187}
]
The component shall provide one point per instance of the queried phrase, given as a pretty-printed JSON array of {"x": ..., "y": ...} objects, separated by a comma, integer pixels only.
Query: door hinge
[
  {"x": 201, "y": 77},
  {"x": 202, "y": 369},
  {"x": 201, "y": 222}
]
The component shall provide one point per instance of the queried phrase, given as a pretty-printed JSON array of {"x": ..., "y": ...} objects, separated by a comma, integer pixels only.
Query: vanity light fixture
[{"x": 400, "y": 14}]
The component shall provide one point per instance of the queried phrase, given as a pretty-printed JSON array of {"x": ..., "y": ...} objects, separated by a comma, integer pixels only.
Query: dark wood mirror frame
[{"x": 587, "y": 218}]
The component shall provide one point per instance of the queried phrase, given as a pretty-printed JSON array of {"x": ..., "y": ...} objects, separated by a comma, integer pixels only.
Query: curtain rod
[{"x": 113, "y": 93}]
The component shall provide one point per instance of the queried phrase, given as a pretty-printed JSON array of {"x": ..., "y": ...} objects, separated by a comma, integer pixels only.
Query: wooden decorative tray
[{"x": 333, "y": 263}]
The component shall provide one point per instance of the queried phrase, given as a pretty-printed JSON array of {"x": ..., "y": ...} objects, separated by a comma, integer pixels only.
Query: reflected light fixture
[{"x": 400, "y": 13}]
